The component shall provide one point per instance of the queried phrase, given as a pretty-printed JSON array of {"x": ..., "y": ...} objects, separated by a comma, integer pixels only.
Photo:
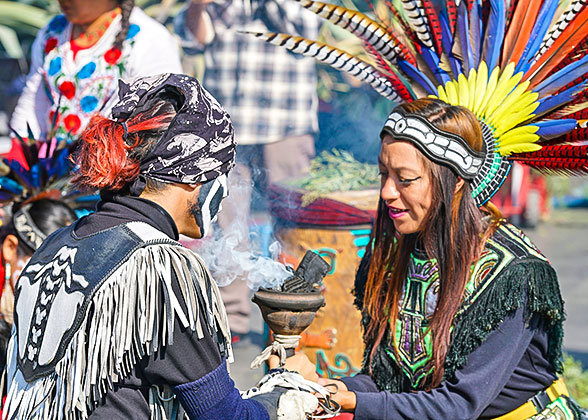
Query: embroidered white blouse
[{"x": 79, "y": 87}]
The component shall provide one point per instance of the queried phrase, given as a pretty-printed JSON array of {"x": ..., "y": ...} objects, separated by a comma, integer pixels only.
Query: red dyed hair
[{"x": 105, "y": 160}]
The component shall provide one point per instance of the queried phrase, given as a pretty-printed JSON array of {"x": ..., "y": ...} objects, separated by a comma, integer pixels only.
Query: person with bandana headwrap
[{"x": 113, "y": 317}]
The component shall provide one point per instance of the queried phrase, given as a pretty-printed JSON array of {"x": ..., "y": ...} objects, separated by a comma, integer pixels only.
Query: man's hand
[{"x": 298, "y": 363}]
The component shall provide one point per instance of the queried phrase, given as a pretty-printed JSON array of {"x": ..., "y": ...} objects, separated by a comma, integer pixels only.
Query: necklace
[{"x": 95, "y": 31}]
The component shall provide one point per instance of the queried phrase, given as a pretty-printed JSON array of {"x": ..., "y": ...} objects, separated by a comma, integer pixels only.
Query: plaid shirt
[{"x": 269, "y": 92}]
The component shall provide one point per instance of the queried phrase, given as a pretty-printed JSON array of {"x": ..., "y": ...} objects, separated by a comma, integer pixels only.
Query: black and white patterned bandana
[{"x": 199, "y": 144}]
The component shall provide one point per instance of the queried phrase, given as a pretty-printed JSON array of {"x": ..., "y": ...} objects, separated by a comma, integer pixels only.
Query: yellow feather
[
  {"x": 442, "y": 94},
  {"x": 451, "y": 91},
  {"x": 526, "y": 104},
  {"x": 517, "y": 118},
  {"x": 471, "y": 89},
  {"x": 489, "y": 90},
  {"x": 481, "y": 83},
  {"x": 519, "y": 135},
  {"x": 462, "y": 86},
  {"x": 504, "y": 87},
  {"x": 519, "y": 148},
  {"x": 511, "y": 105}
]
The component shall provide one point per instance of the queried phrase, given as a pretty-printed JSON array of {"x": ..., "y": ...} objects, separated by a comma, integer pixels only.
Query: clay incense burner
[{"x": 290, "y": 310}]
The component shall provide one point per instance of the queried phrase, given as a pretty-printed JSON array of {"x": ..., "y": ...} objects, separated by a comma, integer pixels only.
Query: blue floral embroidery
[
  {"x": 133, "y": 30},
  {"x": 89, "y": 103},
  {"x": 54, "y": 66},
  {"x": 87, "y": 71},
  {"x": 58, "y": 23}
]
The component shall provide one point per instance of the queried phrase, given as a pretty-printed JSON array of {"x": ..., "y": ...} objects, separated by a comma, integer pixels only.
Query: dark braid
[{"x": 126, "y": 7}]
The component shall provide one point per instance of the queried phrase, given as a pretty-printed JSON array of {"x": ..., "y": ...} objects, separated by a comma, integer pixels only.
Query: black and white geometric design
[{"x": 440, "y": 146}]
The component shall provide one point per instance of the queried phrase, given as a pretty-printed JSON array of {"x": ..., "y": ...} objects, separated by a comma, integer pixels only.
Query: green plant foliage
[
  {"x": 20, "y": 22},
  {"x": 576, "y": 380},
  {"x": 336, "y": 170}
]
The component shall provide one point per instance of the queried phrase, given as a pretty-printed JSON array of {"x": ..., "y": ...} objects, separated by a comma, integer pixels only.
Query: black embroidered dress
[{"x": 505, "y": 343}]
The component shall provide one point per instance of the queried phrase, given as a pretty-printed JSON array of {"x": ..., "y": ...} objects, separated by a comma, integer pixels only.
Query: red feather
[
  {"x": 579, "y": 115},
  {"x": 577, "y": 53},
  {"x": 451, "y": 14},
  {"x": 405, "y": 27},
  {"x": 559, "y": 159},
  {"x": 518, "y": 35},
  {"x": 434, "y": 25},
  {"x": 573, "y": 83},
  {"x": 576, "y": 135},
  {"x": 509, "y": 14},
  {"x": 389, "y": 74},
  {"x": 574, "y": 33}
]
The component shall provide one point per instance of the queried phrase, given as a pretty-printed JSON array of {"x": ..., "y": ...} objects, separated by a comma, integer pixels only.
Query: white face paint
[{"x": 209, "y": 203}]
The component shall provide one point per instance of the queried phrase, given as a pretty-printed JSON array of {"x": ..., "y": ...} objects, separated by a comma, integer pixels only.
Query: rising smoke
[{"x": 229, "y": 256}]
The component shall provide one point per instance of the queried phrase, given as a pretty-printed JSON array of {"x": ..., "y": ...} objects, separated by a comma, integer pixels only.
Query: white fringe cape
[{"x": 128, "y": 324}]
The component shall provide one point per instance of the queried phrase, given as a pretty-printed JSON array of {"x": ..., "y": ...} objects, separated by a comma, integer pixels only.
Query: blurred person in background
[
  {"x": 77, "y": 60},
  {"x": 21, "y": 234},
  {"x": 271, "y": 96},
  {"x": 24, "y": 230}
]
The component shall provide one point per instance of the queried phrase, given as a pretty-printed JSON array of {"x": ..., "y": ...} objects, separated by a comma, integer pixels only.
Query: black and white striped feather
[{"x": 335, "y": 58}]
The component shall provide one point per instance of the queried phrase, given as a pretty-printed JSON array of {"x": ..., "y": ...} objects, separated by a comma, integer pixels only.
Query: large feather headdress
[
  {"x": 42, "y": 170},
  {"x": 519, "y": 65}
]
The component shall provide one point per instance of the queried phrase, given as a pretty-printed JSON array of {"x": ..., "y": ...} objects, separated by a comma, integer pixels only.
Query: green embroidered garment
[{"x": 510, "y": 272}]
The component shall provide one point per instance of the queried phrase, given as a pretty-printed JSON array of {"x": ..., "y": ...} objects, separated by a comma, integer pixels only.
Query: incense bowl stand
[{"x": 287, "y": 315}]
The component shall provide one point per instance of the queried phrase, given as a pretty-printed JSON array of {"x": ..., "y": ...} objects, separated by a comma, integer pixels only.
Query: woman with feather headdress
[{"x": 463, "y": 315}]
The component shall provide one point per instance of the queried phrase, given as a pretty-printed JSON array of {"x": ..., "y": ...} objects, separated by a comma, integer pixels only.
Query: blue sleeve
[
  {"x": 214, "y": 397},
  {"x": 360, "y": 383},
  {"x": 468, "y": 393}
]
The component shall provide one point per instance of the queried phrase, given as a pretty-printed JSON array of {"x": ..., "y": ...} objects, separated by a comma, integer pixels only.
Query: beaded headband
[{"x": 485, "y": 170}]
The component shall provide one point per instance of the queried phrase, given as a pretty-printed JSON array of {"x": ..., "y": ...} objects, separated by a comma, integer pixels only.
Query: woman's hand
[
  {"x": 340, "y": 394},
  {"x": 346, "y": 399},
  {"x": 298, "y": 363},
  {"x": 339, "y": 385}
]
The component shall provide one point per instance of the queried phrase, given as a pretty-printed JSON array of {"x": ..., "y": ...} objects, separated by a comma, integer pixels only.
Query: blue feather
[
  {"x": 462, "y": 37},
  {"x": 447, "y": 40},
  {"x": 541, "y": 27},
  {"x": 434, "y": 63},
  {"x": 564, "y": 76},
  {"x": 549, "y": 103},
  {"x": 494, "y": 33},
  {"x": 36, "y": 175},
  {"x": 476, "y": 28},
  {"x": 5, "y": 196},
  {"x": 419, "y": 77},
  {"x": 20, "y": 172},
  {"x": 11, "y": 185},
  {"x": 554, "y": 128}
]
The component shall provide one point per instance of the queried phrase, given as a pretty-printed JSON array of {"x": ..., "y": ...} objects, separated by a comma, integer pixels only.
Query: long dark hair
[
  {"x": 47, "y": 214},
  {"x": 126, "y": 7},
  {"x": 453, "y": 233}
]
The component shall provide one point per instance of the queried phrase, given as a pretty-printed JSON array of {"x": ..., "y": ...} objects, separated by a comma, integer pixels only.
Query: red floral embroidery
[
  {"x": 52, "y": 116},
  {"x": 112, "y": 55},
  {"x": 72, "y": 123},
  {"x": 50, "y": 44},
  {"x": 68, "y": 89}
]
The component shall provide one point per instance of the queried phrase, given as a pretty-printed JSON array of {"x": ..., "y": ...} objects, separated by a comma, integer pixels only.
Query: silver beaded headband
[{"x": 486, "y": 170}]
